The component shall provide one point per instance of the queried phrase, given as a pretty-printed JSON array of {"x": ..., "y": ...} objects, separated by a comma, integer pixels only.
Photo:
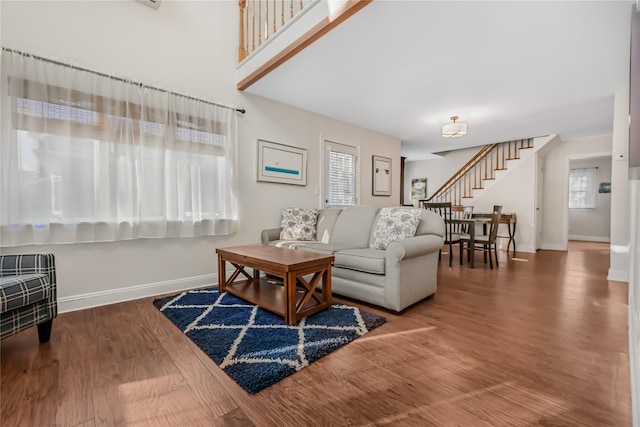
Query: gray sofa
[{"x": 395, "y": 278}]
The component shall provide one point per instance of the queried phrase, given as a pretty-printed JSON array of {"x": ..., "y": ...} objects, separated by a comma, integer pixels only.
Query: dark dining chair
[
  {"x": 486, "y": 242},
  {"x": 444, "y": 210}
]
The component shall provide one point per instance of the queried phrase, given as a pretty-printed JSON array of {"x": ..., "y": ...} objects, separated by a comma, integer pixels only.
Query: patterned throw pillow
[
  {"x": 298, "y": 224},
  {"x": 394, "y": 224}
]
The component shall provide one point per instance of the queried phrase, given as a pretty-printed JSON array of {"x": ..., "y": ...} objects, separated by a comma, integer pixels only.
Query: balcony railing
[{"x": 260, "y": 20}]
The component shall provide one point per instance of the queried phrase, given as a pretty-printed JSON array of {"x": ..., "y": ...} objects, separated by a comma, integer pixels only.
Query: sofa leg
[{"x": 44, "y": 331}]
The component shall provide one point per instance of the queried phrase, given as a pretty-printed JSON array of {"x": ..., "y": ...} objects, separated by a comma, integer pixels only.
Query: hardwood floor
[{"x": 542, "y": 340}]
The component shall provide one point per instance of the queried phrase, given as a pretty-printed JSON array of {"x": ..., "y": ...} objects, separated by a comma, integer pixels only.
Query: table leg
[
  {"x": 222, "y": 274},
  {"x": 512, "y": 235},
  {"x": 326, "y": 287},
  {"x": 291, "y": 292},
  {"x": 472, "y": 245}
]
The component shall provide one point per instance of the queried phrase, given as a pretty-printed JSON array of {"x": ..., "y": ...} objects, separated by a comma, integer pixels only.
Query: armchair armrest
[
  {"x": 414, "y": 247},
  {"x": 12, "y": 265},
  {"x": 270, "y": 235}
]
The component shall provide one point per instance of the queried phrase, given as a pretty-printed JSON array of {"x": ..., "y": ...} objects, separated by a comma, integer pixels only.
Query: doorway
[{"x": 587, "y": 208}]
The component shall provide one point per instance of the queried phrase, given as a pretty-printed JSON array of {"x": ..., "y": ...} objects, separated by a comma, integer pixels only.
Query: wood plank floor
[{"x": 542, "y": 340}]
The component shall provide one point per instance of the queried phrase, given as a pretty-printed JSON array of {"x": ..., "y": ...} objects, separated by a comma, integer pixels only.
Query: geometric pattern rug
[{"x": 254, "y": 346}]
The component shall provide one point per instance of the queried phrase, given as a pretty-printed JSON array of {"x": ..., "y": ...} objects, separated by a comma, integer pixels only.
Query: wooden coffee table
[{"x": 295, "y": 297}]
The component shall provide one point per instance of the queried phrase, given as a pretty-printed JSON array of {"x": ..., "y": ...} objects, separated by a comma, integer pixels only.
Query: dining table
[
  {"x": 507, "y": 218},
  {"x": 471, "y": 228}
]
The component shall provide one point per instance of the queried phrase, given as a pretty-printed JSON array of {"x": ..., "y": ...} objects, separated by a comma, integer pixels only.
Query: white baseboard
[
  {"x": 589, "y": 238},
  {"x": 553, "y": 247},
  {"x": 618, "y": 275},
  {"x": 112, "y": 296},
  {"x": 525, "y": 249}
]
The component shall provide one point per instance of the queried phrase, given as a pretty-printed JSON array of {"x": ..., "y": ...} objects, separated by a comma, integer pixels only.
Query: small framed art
[{"x": 381, "y": 176}]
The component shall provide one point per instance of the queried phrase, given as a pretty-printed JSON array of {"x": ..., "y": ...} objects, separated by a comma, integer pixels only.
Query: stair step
[
  {"x": 500, "y": 169},
  {"x": 513, "y": 158},
  {"x": 477, "y": 188}
]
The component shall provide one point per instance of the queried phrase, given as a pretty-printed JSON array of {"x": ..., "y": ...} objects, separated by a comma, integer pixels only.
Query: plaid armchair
[{"x": 27, "y": 294}]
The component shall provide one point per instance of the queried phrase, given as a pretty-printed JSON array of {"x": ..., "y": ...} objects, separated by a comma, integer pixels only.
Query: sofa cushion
[
  {"x": 290, "y": 244},
  {"x": 353, "y": 226},
  {"x": 367, "y": 260},
  {"x": 326, "y": 220},
  {"x": 394, "y": 223},
  {"x": 328, "y": 248},
  {"x": 22, "y": 290},
  {"x": 298, "y": 224}
]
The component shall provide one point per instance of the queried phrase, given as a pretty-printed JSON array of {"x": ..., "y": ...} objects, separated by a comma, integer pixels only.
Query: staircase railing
[
  {"x": 481, "y": 167},
  {"x": 261, "y": 19}
]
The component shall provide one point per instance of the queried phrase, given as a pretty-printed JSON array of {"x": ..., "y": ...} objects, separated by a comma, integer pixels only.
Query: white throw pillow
[
  {"x": 298, "y": 224},
  {"x": 394, "y": 224}
]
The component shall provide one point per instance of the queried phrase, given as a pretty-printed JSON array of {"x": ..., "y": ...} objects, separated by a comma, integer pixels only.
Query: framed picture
[
  {"x": 418, "y": 188},
  {"x": 605, "y": 187},
  {"x": 281, "y": 163},
  {"x": 381, "y": 176}
]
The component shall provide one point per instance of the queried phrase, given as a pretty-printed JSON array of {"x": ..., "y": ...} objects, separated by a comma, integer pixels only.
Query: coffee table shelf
[
  {"x": 265, "y": 293},
  {"x": 296, "y": 297}
]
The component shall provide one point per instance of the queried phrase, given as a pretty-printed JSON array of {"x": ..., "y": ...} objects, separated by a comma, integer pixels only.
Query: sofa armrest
[
  {"x": 414, "y": 247},
  {"x": 12, "y": 265},
  {"x": 270, "y": 235}
]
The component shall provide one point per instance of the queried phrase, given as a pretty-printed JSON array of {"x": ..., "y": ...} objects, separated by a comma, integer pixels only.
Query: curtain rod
[{"x": 239, "y": 110}]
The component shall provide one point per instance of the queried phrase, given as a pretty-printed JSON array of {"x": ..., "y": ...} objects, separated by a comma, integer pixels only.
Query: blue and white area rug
[{"x": 254, "y": 346}]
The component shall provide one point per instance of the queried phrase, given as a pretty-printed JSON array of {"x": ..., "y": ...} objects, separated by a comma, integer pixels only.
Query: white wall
[
  {"x": 619, "y": 257},
  {"x": 437, "y": 171},
  {"x": 556, "y": 184},
  {"x": 516, "y": 193},
  {"x": 188, "y": 47},
  {"x": 593, "y": 224}
]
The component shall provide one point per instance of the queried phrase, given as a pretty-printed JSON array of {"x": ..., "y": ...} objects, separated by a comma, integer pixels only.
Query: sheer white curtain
[{"x": 87, "y": 158}]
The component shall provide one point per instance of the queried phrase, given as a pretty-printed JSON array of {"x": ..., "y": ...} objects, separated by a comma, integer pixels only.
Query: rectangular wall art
[
  {"x": 418, "y": 188},
  {"x": 281, "y": 163},
  {"x": 381, "y": 176}
]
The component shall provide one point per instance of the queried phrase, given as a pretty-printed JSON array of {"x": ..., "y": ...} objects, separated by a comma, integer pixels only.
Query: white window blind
[
  {"x": 582, "y": 188},
  {"x": 341, "y": 175}
]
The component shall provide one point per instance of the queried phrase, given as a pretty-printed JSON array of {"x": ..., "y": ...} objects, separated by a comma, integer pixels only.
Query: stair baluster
[{"x": 480, "y": 168}]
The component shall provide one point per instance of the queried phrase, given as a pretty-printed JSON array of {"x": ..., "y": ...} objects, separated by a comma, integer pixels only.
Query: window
[
  {"x": 340, "y": 175},
  {"x": 90, "y": 158},
  {"x": 582, "y": 188}
]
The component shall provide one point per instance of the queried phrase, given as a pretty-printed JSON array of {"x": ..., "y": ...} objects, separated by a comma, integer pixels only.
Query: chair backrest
[
  {"x": 495, "y": 222},
  {"x": 461, "y": 212},
  {"x": 444, "y": 210}
]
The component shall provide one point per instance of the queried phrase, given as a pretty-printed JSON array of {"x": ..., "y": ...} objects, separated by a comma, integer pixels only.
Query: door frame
[
  {"x": 324, "y": 141},
  {"x": 565, "y": 193}
]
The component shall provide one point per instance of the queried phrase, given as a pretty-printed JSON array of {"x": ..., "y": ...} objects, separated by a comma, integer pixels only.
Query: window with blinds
[
  {"x": 340, "y": 185},
  {"x": 582, "y": 188}
]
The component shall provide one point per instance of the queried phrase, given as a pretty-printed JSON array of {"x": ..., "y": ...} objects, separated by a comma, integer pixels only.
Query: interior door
[
  {"x": 539, "y": 200},
  {"x": 339, "y": 188}
]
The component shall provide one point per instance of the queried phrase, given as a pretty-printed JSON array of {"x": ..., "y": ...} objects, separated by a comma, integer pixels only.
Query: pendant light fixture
[{"x": 454, "y": 129}]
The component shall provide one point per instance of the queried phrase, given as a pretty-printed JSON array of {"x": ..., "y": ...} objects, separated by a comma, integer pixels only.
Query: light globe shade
[{"x": 454, "y": 129}]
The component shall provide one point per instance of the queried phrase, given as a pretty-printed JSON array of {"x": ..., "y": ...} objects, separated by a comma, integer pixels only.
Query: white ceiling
[{"x": 510, "y": 69}]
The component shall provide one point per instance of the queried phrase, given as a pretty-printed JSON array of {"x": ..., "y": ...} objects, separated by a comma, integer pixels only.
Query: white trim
[
  {"x": 618, "y": 275},
  {"x": 112, "y": 296},
  {"x": 565, "y": 193},
  {"x": 530, "y": 249},
  {"x": 325, "y": 142},
  {"x": 633, "y": 359},
  {"x": 553, "y": 247},
  {"x": 589, "y": 238}
]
